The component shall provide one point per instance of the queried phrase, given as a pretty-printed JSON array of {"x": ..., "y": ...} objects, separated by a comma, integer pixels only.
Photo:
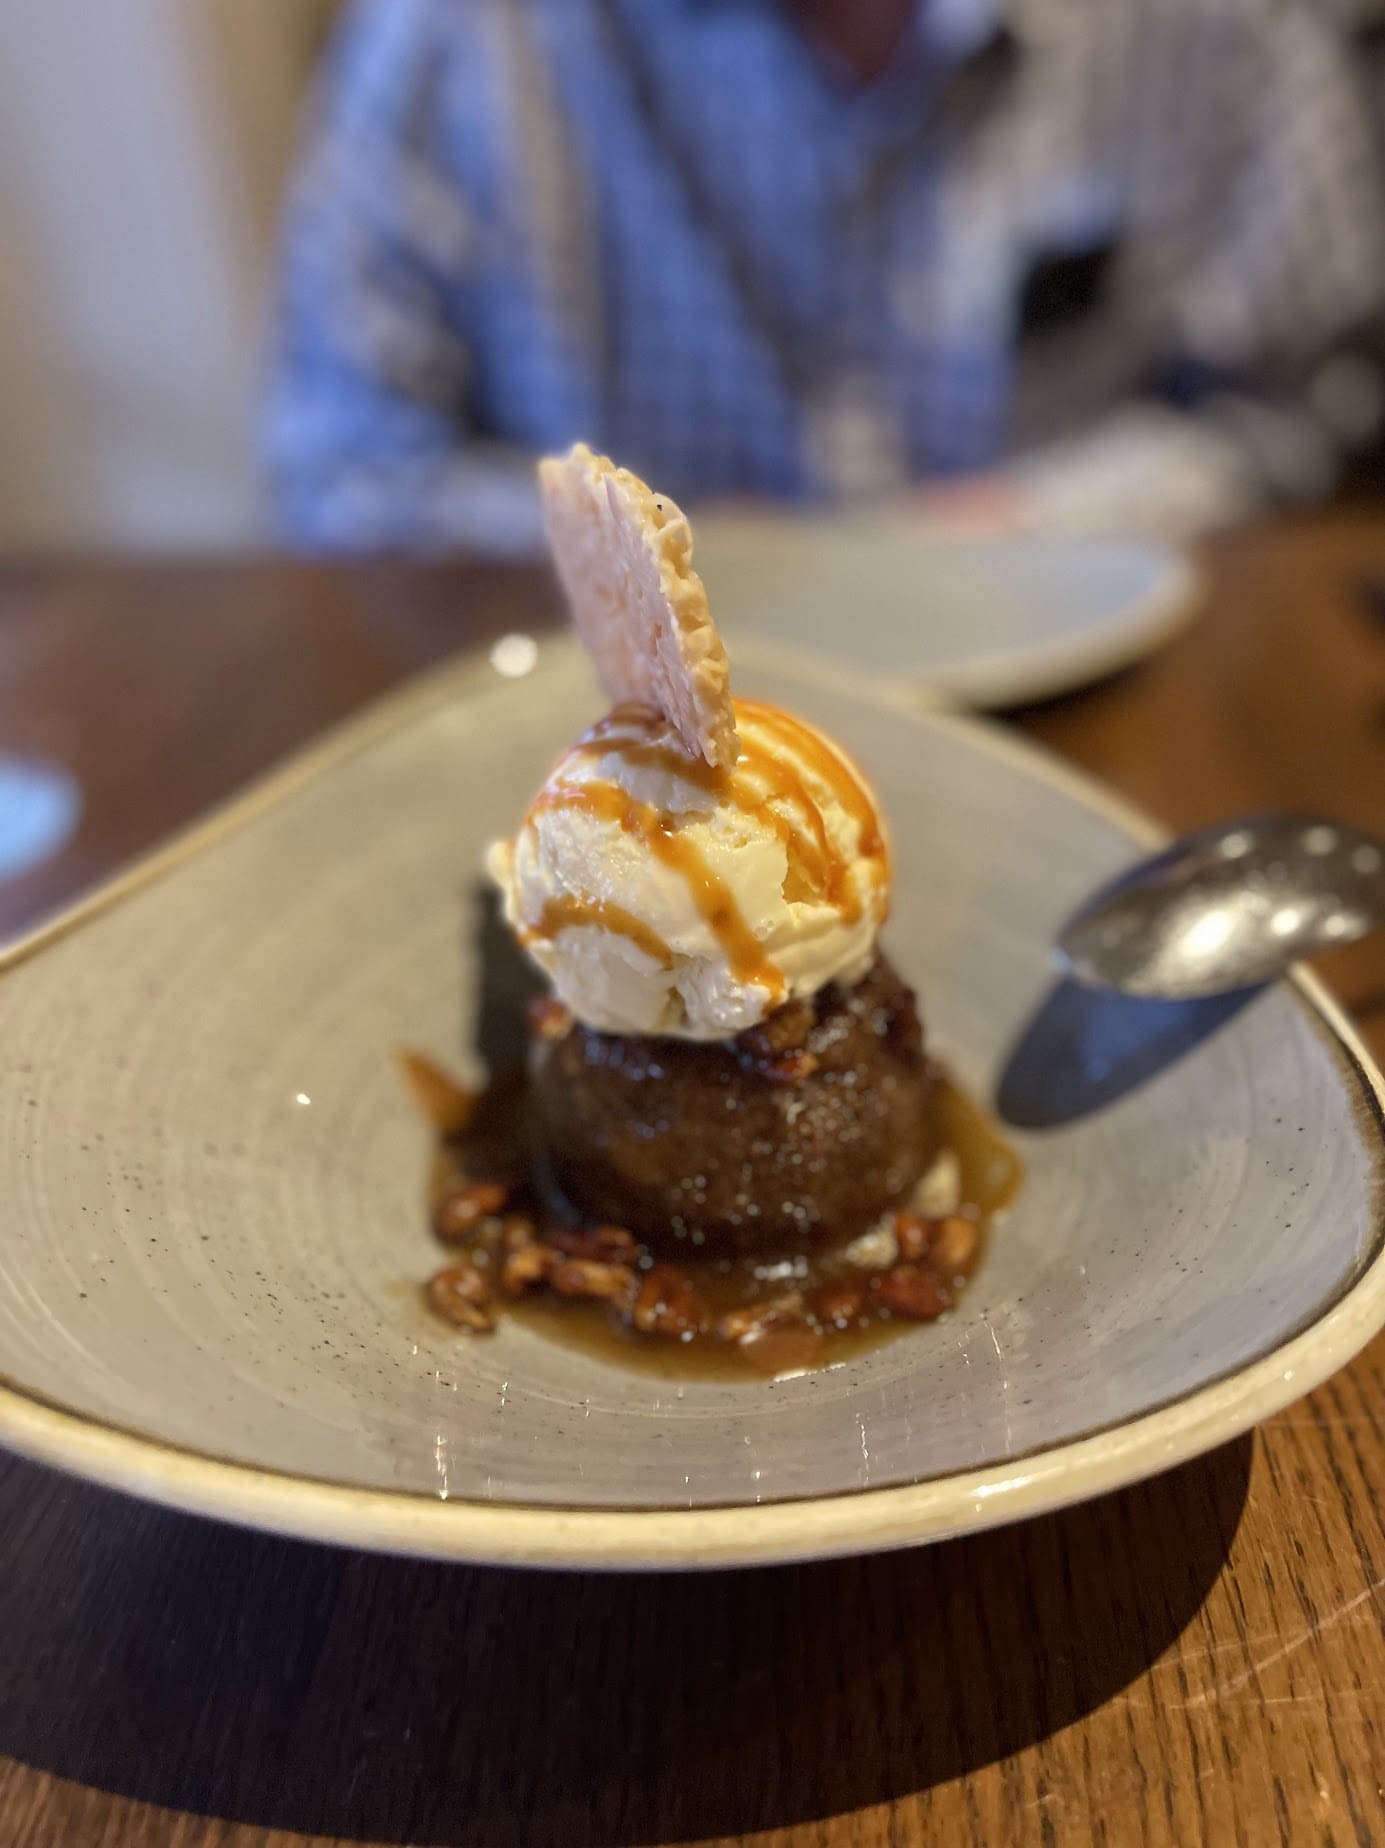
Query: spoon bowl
[{"x": 1229, "y": 907}]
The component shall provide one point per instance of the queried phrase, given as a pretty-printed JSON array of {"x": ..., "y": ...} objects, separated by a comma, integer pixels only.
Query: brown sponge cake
[{"x": 800, "y": 1132}]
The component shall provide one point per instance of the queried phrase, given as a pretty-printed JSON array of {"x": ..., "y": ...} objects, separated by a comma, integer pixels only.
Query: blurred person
[{"x": 1034, "y": 262}]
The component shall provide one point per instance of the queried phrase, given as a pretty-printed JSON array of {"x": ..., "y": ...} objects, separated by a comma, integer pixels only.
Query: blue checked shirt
[{"x": 1120, "y": 249}]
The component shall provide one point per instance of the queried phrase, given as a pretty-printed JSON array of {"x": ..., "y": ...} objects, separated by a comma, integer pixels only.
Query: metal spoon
[{"x": 1229, "y": 907}]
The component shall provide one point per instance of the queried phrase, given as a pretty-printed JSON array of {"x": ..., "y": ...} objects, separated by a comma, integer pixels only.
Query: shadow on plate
[
  {"x": 508, "y": 983},
  {"x": 1085, "y": 1048},
  {"x": 295, "y": 1687}
]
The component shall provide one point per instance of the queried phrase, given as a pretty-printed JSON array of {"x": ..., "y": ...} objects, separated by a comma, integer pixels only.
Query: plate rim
[
  {"x": 867, "y": 1520},
  {"x": 998, "y": 679}
]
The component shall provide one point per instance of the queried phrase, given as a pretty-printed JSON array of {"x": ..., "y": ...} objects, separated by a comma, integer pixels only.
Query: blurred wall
[{"x": 142, "y": 146}]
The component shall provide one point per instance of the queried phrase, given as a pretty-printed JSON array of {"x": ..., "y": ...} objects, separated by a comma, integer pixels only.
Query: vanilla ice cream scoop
[{"x": 662, "y": 894}]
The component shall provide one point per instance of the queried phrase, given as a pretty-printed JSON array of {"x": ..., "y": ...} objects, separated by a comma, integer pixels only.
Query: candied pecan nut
[
  {"x": 548, "y": 1018},
  {"x": 774, "y": 1337},
  {"x": 914, "y": 1235},
  {"x": 461, "y": 1209},
  {"x": 754, "y": 1319},
  {"x": 517, "y": 1232},
  {"x": 875, "y": 1250},
  {"x": 786, "y": 1030},
  {"x": 525, "y": 1266},
  {"x": 954, "y": 1246},
  {"x": 842, "y": 1302},
  {"x": 736, "y": 1324},
  {"x": 913, "y": 1291},
  {"x": 668, "y": 1304},
  {"x": 461, "y": 1293},
  {"x": 611, "y": 1283},
  {"x": 608, "y": 1244},
  {"x": 789, "y": 1068}
]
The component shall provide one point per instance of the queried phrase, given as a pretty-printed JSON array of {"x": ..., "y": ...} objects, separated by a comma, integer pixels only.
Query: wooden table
[{"x": 1195, "y": 1660}]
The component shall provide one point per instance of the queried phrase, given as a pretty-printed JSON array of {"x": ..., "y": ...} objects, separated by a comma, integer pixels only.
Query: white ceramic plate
[
  {"x": 211, "y": 1187},
  {"x": 968, "y": 619}
]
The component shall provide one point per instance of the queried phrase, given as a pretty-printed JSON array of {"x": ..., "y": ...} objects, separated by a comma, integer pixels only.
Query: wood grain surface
[{"x": 1198, "y": 1659}]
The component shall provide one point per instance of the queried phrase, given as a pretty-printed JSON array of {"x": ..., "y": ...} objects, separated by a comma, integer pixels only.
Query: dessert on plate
[{"x": 732, "y": 1136}]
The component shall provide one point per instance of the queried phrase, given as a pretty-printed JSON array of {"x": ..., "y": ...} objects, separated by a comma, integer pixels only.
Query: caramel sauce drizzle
[
  {"x": 710, "y": 893},
  {"x": 835, "y": 769},
  {"x": 807, "y": 846},
  {"x": 761, "y": 774},
  {"x": 558, "y": 913}
]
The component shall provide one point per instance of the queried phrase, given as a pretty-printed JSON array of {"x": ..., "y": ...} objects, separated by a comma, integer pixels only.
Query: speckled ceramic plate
[
  {"x": 211, "y": 1185},
  {"x": 973, "y": 619}
]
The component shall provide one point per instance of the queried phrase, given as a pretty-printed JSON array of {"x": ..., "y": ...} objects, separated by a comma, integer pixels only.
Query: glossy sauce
[
  {"x": 807, "y": 848},
  {"x": 990, "y": 1176},
  {"x": 561, "y": 913},
  {"x": 835, "y": 769}
]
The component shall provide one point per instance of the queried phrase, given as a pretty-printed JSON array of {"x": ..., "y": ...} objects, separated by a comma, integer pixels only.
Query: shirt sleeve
[
  {"x": 365, "y": 434},
  {"x": 1272, "y": 376}
]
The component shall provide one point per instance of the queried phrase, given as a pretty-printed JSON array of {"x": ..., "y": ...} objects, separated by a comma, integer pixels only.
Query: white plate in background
[{"x": 983, "y": 620}]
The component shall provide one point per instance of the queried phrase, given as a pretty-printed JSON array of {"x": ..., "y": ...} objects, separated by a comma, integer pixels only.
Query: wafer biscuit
[{"x": 624, "y": 557}]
